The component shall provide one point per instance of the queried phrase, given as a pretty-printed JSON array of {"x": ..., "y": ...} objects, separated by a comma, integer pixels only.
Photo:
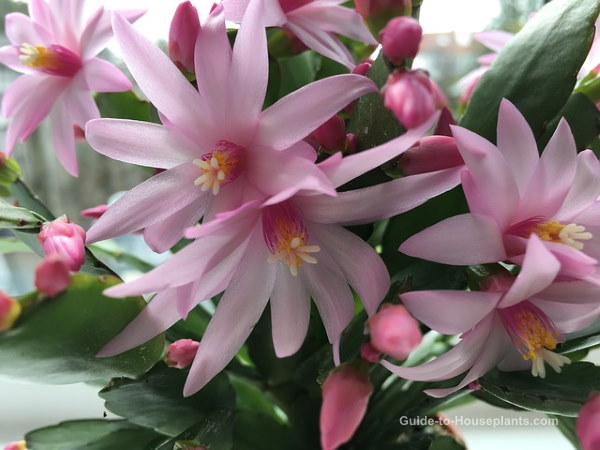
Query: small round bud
[
  {"x": 400, "y": 39},
  {"x": 394, "y": 331},
  {"x": 181, "y": 353}
]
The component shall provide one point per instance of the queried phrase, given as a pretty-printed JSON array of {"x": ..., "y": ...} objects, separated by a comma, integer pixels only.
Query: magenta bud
[
  {"x": 474, "y": 385},
  {"x": 394, "y": 331},
  {"x": 346, "y": 393},
  {"x": 400, "y": 39},
  {"x": 16, "y": 446},
  {"x": 351, "y": 143},
  {"x": 331, "y": 136},
  {"x": 378, "y": 13},
  {"x": 183, "y": 33},
  {"x": 430, "y": 154},
  {"x": 369, "y": 353},
  {"x": 587, "y": 428},
  {"x": 181, "y": 353},
  {"x": 64, "y": 238},
  {"x": 94, "y": 212},
  {"x": 52, "y": 275},
  {"x": 10, "y": 310},
  {"x": 363, "y": 68}
]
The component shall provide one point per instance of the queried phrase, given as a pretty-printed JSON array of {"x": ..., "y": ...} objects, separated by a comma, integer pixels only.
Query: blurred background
[{"x": 448, "y": 52}]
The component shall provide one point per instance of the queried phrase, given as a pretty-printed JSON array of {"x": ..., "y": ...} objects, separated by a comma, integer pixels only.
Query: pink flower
[
  {"x": 183, "y": 33},
  {"x": 400, "y": 39},
  {"x": 52, "y": 275},
  {"x": 394, "y": 331},
  {"x": 10, "y": 310},
  {"x": 219, "y": 149},
  {"x": 65, "y": 238},
  {"x": 587, "y": 423},
  {"x": 514, "y": 324},
  {"x": 314, "y": 22},
  {"x": 56, "y": 52},
  {"x": 288, "y": 249},
  {"x": 181, "y": 353},
  {"x": 513, "y": 193},
  {"x": 346, "y": 393}
]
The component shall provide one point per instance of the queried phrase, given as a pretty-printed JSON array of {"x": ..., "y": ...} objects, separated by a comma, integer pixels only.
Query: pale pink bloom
[
  {"x": 10, "y": 310},
  {"x": 52, "y": 275},
  {"x": 56, "y": 51},
  {"x": 183, "y": 33},
  {"x": 346, "y": 393},
  {"x": 288, "y": 249},
  {"x": 63, "y": 237},
  {"x": 394, "y": 331},
  {"x": 512, "y": 193},
  {"x": 181, "y": 353},
  {"x": 400, "y": 39},
  {"x": 588, "y": 431},
  {"x": 314, "y": 22},
  {"x": 217, "y": 146},
  {"x": 514, "y": 324}
]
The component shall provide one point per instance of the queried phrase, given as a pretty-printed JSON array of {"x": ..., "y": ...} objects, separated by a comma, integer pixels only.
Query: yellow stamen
[
  {"x": 38, "y": 56},
  {"x": 570, "y": 234}
]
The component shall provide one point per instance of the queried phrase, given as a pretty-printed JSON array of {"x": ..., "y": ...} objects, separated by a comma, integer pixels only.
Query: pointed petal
[
  {"x": 321, "y": 42},
  {"x": 334, "y": 19},
  {"x": 148, "y": 203},
  {"x": 450, "y": 312},
  {"x": 381, "y": 201},
  {"x": 517, "y": 143},
  {"x": 102, "y": 76},
  {"x": 290, "y": 312},
  {"x": 155, "y": 318},
  {"x": 141, "y": 143},
  {"x": 244, "y": 217},
  {"x": 585, "y": 189},
  {"x": 63, "y": 138},
  {"x": 359, "y": 262},
  {"x": 99, "y": 31},
  {"x": 81, "y": 105},
  {"x": 354, "y": 165},
  {"x": 273, "y": 15},
  {"x": 573, "y": 292},
  {"x": 9, "y": 56},
  {"x": 166, "y": 88},
  {"x": 239, "y": 309},
  {"x": 538, "y": 271},
  {"x": 494, "y": 40},
  {"x": 19, "y": 30},
  {"x": 21, "y": 91},
  {"x": 567, "y": 317},
  {"x": 461, "y": 240}
]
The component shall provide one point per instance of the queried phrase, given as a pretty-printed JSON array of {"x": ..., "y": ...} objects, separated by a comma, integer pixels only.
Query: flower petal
[
  {"x": 80, "y": 104},
  {"x": 235, "y": 316},
  {"x": 585, "y": 189},
  {"x": 290, "y": 312},
  {"x": 494, "y": 40},
  {"x": 461, "y": 240},
  {"x": 9, "y": 56},
  {"x": 573, "y": 292},
  {"x": 19, "y": 30},
  {"x": 63, "y": 137},
  {"x": 148, "y": 203},
  {"x": 141, "y": 143},
  {"x": 102, "y": 76},
  {"x": 568, "y": 317}
]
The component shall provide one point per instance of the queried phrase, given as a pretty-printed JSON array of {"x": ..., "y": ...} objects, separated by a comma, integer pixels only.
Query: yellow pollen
[
  {"x": 570, "y": 234},
  {"x": 290, "y": 247},
  {"x": 38, "y": 56},
  {"x": 214, "y": 171}
]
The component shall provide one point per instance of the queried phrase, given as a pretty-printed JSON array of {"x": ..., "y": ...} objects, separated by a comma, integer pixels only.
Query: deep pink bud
[
  {"x": 410, "y": 96},
  {"x": 181, "y": 353},
  {"x": 346, "y": 393},
  {"x": 363, "y": 68},
  {"x": 10, "y": 310},
  {"x": 474, "y": 385},
  {"x": 331, "y": 136},
  {"x": 183, "y": 33},
  {"x": 369, "y": 353},
  {"x": 94, "y": 212},
  {"x": 394, "y": 331},
  {"x": 378, "y": 13},
  {"x": 64, "y": 238},
  {"x": 588, "y": 421},
  {"x": 430, "y": 154},
  {"x": 400, "y": 39},
  {"x": 16, "y": 446},
  {"x": 52, "y": 275},
  {"x": 350, "y": 143}
]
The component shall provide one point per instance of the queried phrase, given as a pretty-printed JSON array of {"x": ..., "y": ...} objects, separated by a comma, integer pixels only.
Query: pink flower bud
[
  {"x": 362, "y": 68},
  {"x": 410, "y": 96},
  {"x": 94, "y": 212},
  {"x": 346, "y": 393},
  {"x": 64, "y": 238},
  {"x": 181, "y": 353},
  {"x": 350, "y": 143},
  {"x": 183, "y": 33},
  {"x": 16, "y": 446},
  {"x": 10, "y": 310},
  {"x": 394, "y": 331},
  {"x": 369, "y": 353},
  {"x": 430, "y": 154},
  {"x": 588, "y": 420},
  {"x": 331, "y": 136},
  {"x": 474, "y": 385},
  {"x": 52, "y": 275},
  {"x": 400, "y": 39}
]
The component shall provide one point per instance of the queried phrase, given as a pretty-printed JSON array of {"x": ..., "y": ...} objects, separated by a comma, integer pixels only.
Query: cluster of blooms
[{"x": 272, "y": 218}]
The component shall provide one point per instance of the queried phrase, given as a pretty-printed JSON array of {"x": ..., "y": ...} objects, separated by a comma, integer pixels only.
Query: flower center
[
  {"x": 54, "y": 59},
  {"x": 286, "y": 236},
  {"x": 534, "y": 336},
  {"x": 570, "y": 234},
  {"x": 219, "y": 167}
]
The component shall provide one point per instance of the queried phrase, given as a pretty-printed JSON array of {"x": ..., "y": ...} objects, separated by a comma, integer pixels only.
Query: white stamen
[{"x": 572, "y": 233}]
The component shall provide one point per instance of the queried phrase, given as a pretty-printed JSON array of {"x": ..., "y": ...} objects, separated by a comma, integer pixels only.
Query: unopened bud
[
  {"x": 331, "y": 136},
  {"x": 183, "y": 33},
  {"x": 400, "y": 39},
  {"x": 21, "y": 445},
  {"x": 10, "y": 171},
  {"x": 350, "y": 143},
  {"x": 378, "y": 13},
  {"x": 10, "y": 310},
  {"x": 94, "y": 212},
  {"x": 361, "y": 69},
  {"x": 394, "y": 331},
  {"x": 369, "y": 353},
  {"x": 587, "y": 428},
  {"x": 430, "y": 154},
  {"x": 64, "y": 238},
  {"x": 346, "y": 393},
  {"x": 52, "y": 275},
  {"x": 181, "y": 353},
  {"x": 474, "y": 385}
]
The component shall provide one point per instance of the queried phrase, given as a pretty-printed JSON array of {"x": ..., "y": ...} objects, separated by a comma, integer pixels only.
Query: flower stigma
[{"x": 219, "y": 167}]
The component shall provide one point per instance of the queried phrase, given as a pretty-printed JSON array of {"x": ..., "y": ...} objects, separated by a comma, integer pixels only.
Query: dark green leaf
[
  {"x": 256, "y": 431},
  {"x": 537, "y": 69},
  {"x": 566, "y": 425},
  {"x": 583, "y": 339},
  {"x": 297, "y": 71},
  {"x": 214, "y": 431},
  {"x": 55, "y": 341}
]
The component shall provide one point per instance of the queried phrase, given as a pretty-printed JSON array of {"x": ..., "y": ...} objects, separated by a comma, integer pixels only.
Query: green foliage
[{"x": 18, "y": 218}]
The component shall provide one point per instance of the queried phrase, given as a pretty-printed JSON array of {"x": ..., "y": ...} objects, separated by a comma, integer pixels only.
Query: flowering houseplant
[{"x": 340, "y": 251}]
